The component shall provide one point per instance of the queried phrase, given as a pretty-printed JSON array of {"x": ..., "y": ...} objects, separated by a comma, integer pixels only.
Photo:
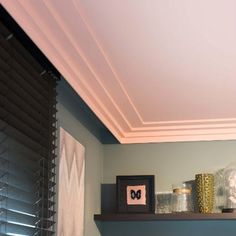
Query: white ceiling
[{"x": 151, "y": 70}]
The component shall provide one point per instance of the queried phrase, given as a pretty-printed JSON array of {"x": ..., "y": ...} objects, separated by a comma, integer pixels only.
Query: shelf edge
[{"x": 165, "y": 217}]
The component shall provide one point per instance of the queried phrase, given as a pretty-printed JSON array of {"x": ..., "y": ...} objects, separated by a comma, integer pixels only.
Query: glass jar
[
  {"x": 163, "y": 202},
  {"x": 230, "y": 188},
  {"x": 182, "y": 198}
]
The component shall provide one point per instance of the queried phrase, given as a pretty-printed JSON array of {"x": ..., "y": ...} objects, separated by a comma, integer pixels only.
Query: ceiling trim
[
  {"x": 89, "y": 83},
  {"x": 108, "y": 61},
  {"x": 187, "y": 124},
  {"x": 97, "y": 81},
  {"x": 230, "y": 135},
  {"x": 43, "y": 38},
  {"x": 198, "y": 130}
]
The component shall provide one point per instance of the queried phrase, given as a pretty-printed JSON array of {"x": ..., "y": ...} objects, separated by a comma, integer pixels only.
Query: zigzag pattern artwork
[{"x": 71, "y": 186}]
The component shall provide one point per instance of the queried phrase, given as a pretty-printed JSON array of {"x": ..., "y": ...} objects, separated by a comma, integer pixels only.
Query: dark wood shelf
[{"x": 165, "y": 217}]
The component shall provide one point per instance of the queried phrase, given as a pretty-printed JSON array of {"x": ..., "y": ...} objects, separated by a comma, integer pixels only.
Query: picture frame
[{"x": 135, "y": 194}]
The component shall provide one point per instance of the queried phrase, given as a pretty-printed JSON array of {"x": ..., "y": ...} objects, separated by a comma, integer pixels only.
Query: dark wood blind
[{"x": 27, "y": 141}]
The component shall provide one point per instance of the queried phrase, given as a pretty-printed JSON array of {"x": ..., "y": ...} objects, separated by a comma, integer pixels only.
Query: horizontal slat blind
[{"x": 27, "y": 142}]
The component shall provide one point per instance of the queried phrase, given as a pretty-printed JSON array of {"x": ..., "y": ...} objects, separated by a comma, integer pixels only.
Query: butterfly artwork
[{"x": 136, "y": 195}]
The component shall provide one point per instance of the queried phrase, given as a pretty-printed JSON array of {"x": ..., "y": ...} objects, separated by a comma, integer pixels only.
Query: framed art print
[
  {"x": 135, "y": 194},
  {"x": 71, "y": 173}
]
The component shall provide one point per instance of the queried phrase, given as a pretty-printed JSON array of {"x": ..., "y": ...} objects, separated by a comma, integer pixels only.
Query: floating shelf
[{"x": 165, "y": 217}]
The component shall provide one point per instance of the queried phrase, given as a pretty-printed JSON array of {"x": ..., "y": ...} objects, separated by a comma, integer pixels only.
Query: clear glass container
[
  {"x": 219, "y": 193},
  {"x": 230, "y": 188},
  {"x": 163, "y": 202},
  {"x": 182, "y": 198}
]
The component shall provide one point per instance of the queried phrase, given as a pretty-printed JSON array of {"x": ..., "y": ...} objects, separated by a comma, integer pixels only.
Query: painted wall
[
  {"x": 68, "y": 119},
  {"x": 169, "y": 162},
  {"x": 170, "y": 228}
]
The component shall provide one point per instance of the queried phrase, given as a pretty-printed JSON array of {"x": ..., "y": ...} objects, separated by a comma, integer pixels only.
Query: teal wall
[
  {"x": 68, "y": 118},
  {"x": 169, "y": 162},
  {"x": 170, "y": 228}
]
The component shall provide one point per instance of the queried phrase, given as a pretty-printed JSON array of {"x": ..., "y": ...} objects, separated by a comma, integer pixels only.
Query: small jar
[
  {"x": 182, "y": 198},
  {"x": 163, "y": 202},
  {"x": 230, "y": 188}
]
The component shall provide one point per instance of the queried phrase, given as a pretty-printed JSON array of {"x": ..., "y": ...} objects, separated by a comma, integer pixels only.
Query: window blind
[{"x": 27, "y": 141}]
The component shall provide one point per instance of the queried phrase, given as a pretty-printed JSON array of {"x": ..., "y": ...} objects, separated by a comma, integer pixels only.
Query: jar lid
[{"x": 182, "y": 190}]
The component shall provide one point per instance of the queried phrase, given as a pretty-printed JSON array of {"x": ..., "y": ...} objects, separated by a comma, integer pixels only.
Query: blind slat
[
  {"x": 19, "y": 169},
  {"x": 19, "y": 151},
  {"x": 16, "y": 180},
  {"x": 20, "y": 218},
  {"x": 23, "y": 139},
  {"x": 27, "y": 142},
  {"x": 7, "y": 190},
  {"x": 45, "y": 213},
  {"x": 4, "y": 31},
  {"x": 13, "y": 229},
  {"x": 16, "y": 86},
  {"x": 17, "y": 205},
  {"x": 22, "y": 66},
  {"x": 28, "y": 103}
]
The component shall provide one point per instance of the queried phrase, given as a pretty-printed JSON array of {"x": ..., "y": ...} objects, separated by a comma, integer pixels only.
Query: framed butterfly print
[{"x": 135, "y": 194}]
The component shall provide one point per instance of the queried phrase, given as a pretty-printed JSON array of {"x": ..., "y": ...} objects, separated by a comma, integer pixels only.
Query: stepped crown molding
[{"x": 64, "y": 32}]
